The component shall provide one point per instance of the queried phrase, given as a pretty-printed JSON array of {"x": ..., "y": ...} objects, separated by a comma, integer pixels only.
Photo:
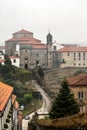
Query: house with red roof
[
  {"x": 5, "y": 106},
  {"x": 78, "y": 86},
  {"x": 8, "y": 108},
  {"x": 72, "y": 56}
]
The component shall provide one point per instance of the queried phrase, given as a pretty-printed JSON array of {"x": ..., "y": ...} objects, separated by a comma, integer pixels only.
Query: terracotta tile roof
[
  {"x": 30, "y": 42},
  {"x": 39, "y": 46},
  {"x": 13, "y": 98},
  {"x": 5, "y": 93},
  {"x": 12, "y": 57},
  {"x": 73, "y": 49},
  {"x": 22, "y": 31},
  {"x": 18, "y": 39},
  {"x": 79, "y": 80},
  {"x": 23, "y": 39}
]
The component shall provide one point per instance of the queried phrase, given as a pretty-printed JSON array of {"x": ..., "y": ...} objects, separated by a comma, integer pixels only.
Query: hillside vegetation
[{"x": 20, "y": 79}]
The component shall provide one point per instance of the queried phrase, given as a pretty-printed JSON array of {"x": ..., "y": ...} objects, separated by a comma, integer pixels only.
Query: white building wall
[
  {"x": 18, "y": 49},
  {"x": 56, "y": 46},
  {"x": 15, "y": 118},
  {"x": 15, "y": 61},
  {"x": 0, "y": 123},
  {"x": 4, "y": 117}
]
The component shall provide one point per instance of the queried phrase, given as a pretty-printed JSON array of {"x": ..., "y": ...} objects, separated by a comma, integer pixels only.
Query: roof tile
[
  {"x": 78, "y": 80},
  {"x": 5, "y": 93},
  {"x": 73, "y": 49},
  {"x": 23, "y": 31}
]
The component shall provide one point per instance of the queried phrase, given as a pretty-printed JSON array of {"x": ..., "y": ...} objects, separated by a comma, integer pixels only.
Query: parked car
[{"x": 27, "y": 117}]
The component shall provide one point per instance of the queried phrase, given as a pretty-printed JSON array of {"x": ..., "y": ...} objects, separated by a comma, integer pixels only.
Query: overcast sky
[{"x": 66, "y": 19}]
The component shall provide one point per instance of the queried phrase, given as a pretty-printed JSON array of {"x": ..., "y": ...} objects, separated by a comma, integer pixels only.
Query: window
[
  {"x": 74, "y": 64},
  {"x": 82, "y": 109},
  {"x": 83, "y": 58},
  {"x": 37, "y": 62},
  {"x": 26, "y": 58},
  {"x": 74, "y": 58},
  {"x": 84, "y": 54},
  {"x": 55, "y": 48},
  {"x": 79, "y": 58},
  {"x": 79, "y": 54},
  {"x": 14, "y": 60},
  {"x": 80, "y": 95},
  {"x": 37, "y": 55},
  {"x": 74, "y": 54},
  {"x": 68, "y": 54}
]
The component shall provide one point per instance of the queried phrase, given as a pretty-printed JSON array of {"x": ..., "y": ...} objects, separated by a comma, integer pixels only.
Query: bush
[{"x": 26, "y": 75}]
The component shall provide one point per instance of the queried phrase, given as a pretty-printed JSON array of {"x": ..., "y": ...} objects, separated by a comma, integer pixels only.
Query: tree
[
  {"x": 41, "y": 72},
  {"x": 27, "y": 97},
  {"x": 64, "y": 103},
  {"x": 8, "y": 61}
]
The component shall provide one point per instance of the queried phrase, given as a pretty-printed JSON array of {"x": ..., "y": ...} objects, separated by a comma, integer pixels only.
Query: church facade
[{"x": 32, "y": 52}]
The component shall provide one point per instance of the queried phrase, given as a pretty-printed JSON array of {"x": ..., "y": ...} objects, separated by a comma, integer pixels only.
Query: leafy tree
[
  {"x": 64, "y": 103},
  {"x": 27, "y": 97},
  {"x": 5, "y": 70},
  {"x": 8, "y": 61},
  {"x": 41, "y": 72}
]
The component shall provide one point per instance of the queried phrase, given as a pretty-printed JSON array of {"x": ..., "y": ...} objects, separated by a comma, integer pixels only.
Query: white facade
[
  {"x": 4, "y": 116},
  {"x": 15, "y": 61},
  {"x": 17, "y": 50},
  {"x": 56, "y": 46},
  {"x": 1, "y": 58}
]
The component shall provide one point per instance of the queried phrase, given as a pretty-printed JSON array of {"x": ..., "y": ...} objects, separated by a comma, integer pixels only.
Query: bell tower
[
  {"x": 49, "y": 51},
  {"x": 49, "y": 38}
]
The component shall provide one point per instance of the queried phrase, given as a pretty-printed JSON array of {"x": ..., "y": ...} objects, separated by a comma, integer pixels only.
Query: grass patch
[{"x": 35, "y": 104}]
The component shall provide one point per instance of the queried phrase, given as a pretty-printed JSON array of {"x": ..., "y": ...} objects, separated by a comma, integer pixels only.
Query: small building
[
  {"x": 8, "y": 108},
  {"x": 78, "y": 85},
  {"x": 5, "y": 106},
  {"x": 2, "y": 58},
  {"x": 15, "y": 60},
  {"x": 72, "y": 56}
]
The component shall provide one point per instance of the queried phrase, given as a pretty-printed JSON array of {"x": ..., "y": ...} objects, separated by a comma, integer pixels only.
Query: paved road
[{"x": 44, "y": 109}]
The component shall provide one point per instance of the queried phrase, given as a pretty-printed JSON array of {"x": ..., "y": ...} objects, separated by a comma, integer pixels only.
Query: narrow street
[{"x": 45, "y": 106}]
